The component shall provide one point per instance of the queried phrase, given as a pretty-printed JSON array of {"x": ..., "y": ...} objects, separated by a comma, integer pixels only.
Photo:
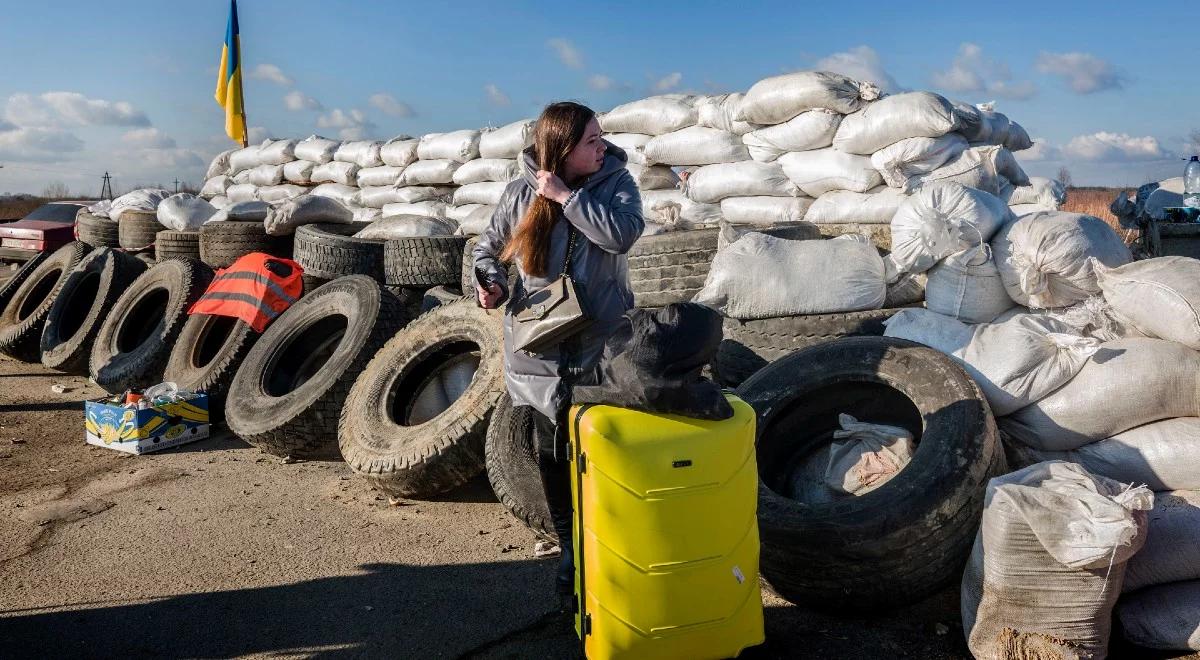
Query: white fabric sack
[
  {"x": 779, "y": 98},
  {"x": 1127, "y": 383},
  {"x": 761, "y": 276},
  {"x": 631, "y": 144},
  {"x": 1018, "y": 138},
  {"x": 277, "y": 152},
  {"x": 241, "y": 177},
  {"x": 893, "y": 118},
  {"x": 399, "y": 151},
  {"x": 877, "y": 206},
  {"x": 219, "y": 165},
  {"x": 764, "y": 210},
  {"x": 487, "y": 192},
  {"x": 252, "y": 211},
  {"x": 1169, "y": 193},
  {"x": 460, "y": 213},
  {"x": 865, "y": 456},
  {"x": 283, "y": 219},
  {"x": 376, "y": 197},
  {"x": 730, "y": 232},
  {"x": 316, "y": 149},
  {"x": 406, "y": 226},
  {"x": 414, "y": 194},
  {"x": 1163, "y": 617},
  {"x": 652, "y": 177},
  {"x": 908, "y": 290},
  {"x": 1171, "y": 553},
  {"x": 1044, "y": 257},
  {"x": 460, "y": 146},
  {"x": 1021, "y": 210},
  {"x": 967, "y": 286},
  {"x": 939, "y": 220},
  {"x": 1049, "y": 193},
  {"x": 912, "y": 157},
  {"x": 719, "y": 111},
  {"x": 299, "y": 172},
  {"x": 385, "y": 175},
  {"x": 1092, "y": 318},
  {"x": 280, "y": 193},
  {"x": 219, "y": 202},
  {"x": 184, "y": 212},
  {"x": 1161, "y": 296},
  {"x": 243, "y": 159},
  {"x": 430, "y": 209},
  {"x": 364, "y": 215},
  {"x": 487, "y": 169},
  {"x": 822, "y": 170},
  {"x": 712, "y": 183},
  {"x": 476, "y": 222},
  {"x": 986, "y": 126},
  {"x": 242, "y": 192},
  {"x": 267, "y": 175},
  {"x": 336, "y": 172},
  {"x": 345, "y": 195},
  {"x": 1048, "y": 562},
  {"x": 675, "y": 210},
  {"x": 696, "y": 145},
  {"x": 651, "y": 116},
  {"x": 363, "y": 153},
  {"x": 215, "y": 186},
  {"x": 977, "y": 167},
  {"x": 506, "y": 142},
  {"x": 809, "y": 130},
  {"x": 429, "y": 172}
]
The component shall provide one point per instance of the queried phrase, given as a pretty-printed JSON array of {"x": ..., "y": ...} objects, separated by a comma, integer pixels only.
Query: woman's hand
[
  {"x": 489, "y": 297},
  {"x": 551, "y": 187}
]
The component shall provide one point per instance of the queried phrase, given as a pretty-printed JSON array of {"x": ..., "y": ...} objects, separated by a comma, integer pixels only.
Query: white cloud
[
  {"x": 296, "y": 101},
  {"x": 148, "y": 138},
  {"x": 257, "y": 134},
  {"x": 57, "y": 109},
  {"x": 567, "y": 53},
  {"x": 351, "y": 124},
  {"x": 601, "y": 83},
  {"x": 5, "y": 126},
  {"x": 496, "y": 96},
  {"x": 1083, "y": 72},
  {"x": 668, "y": 82},
  {"x": 389, "y": 105},
  {"x": 972, "y": 72},
  {"x": 861, "y": 63},
  {"x": 271, "y": 73},
  {"x": 170, "y": 161},
  {"x": 37, "y": 144},
  {"x": 1115, "y": 147},
  {"x": 1040, "y": 151}
]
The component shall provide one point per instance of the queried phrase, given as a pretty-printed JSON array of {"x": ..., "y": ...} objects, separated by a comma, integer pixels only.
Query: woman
[{"x": 575, "y": 187}]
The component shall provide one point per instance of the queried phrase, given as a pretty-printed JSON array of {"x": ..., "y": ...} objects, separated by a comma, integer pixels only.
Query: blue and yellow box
[{"x": 142, "y": 431}]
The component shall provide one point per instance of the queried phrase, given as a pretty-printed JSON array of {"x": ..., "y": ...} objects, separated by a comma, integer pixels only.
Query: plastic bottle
[{"x": 1191, "y": 183}]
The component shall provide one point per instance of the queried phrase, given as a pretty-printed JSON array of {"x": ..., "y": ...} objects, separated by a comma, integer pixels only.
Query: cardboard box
[{"x": 142, "y": 431}]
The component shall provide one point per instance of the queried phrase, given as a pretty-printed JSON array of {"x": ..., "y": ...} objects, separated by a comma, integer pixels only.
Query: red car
[{"x": 48, "y": 228}]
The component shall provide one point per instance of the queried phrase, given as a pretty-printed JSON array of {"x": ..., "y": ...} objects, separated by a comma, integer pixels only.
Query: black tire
[
  {"x": 510, "y": 455},
  {"x": 311, "y": 283},
  {"x": 671, "y": 267},
  {"x": 170, "y": 243},
  {"x": 401, "y": 429},
  {"x": 85, "y": 301},
  {"x": 330, "y": 251},
  {"x": 906, "y": 539},
  {"x": 206, "y": 356},
  {"x": 138, "y": 230},
  {"x": 24, "y": 317},
  {"x": 287, "y": 394},
  {"x": 10, "y": 286},
  {"x": 438, "y": 296},
  {"x": 751, "y": 345},
  {"x": 224, "y": 242},
  {"x": 147, "y": 257},
  {"x": 135, "y": 341},
  {"x": 423, "y": 262},
  {"x": 96, "y": 231},
  {"x": 468, "y": 268}
]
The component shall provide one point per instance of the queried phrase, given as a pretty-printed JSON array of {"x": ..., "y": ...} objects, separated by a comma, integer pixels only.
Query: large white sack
[
  {"x": 277, "y": 152},
  {"x": 299, "y": 172},
  {"x": 215, "y": 186},
  {"x": 184, "y": 212},
  {"x": 399, "y": 151},
  {"x": 487, "y": 169},
  {"x": 653, "y": 177},
  {"x": 429, "y": 172},
  {"x": 385, "y": 175},
  {"x": 822, "y": 170},
  {"x": 364, "y": 153},
  {"x": 631, "y": 144},
  {"x": 267, "y": 175},
  {"x": 406, "y": 226},
  {"x": 987, "y": 168},
  {"x": 1161, "y": 296},
  {"x": 487, "y": 192},
  {"x": 243, "y": 159},
  {"x": 476, "y": 221},
  {"x": 1127, "y": 383},
  {"x": 865, "y": 456},
  {"x": 809, "y": 130},
  {"x": 939, "y": 220},
  {"x": 252, "y": 211},
  {"x": 242, "y": 192},
  {"x": 967, "y": 286},
  {"x": 719, "y": 111},
  {"x": 981, "y": 124},
  {"x": 874, "y": 207},
  {"x": 346, "y": 195},
  {"x": 1018, "y": 138},
  {"x": 651, "y": 116},
  {"x": 430, "y": 209},
  {"x": 460, "y": 146},
  {"x": 376, "y": 197},
  {"x": 336, "y": 172},
  {"x": 1015, "y": 363},
  {"x": 908, "y": 290},
  {"x": 219, "y": 165},
  {"x": 365, "y": 215},
  {"x": 460, "y": 213},
  {"x": 414, "y": 194},
  {"x": 779, "y": 98},
  {"x": 893, "y": 118},
  {"x": 712, "y": 183},
  {"x": 1171, "y": 553},
  {"x": 764, "y": 210},
  {"x": 1049, "y": 193},
  {"x": 241, "y": 177},
  {"x": 283, "y": 219},
  {"x": 761, "y": 276},
  {"x": 696, "y": 145},
  {"x": 675, "y": 210},
  {"x": 1048, "y": 562},
  {"x": 916, "y": 156},
  {"x": 281, "y": 193},
  {"x": 508, "y": 141},
  {"x": 219, "y": 202},
  {"x": 1163, "y": 617},
  {"x": 1044, "y": 257},
  {"x": 316, "y": 149}
]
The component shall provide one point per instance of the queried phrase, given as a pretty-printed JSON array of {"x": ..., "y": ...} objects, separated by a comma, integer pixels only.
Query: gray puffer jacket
[{"x": 607, "y": 216}]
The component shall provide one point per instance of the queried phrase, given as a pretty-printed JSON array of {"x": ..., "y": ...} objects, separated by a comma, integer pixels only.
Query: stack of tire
[{"x": 222, "y": 243}]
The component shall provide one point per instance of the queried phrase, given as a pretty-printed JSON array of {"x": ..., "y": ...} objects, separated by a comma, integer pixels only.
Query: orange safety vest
[{"x": 256, "y": 288}]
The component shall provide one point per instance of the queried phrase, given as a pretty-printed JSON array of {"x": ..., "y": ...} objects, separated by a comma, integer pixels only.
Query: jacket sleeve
[
  {"x": 493, "y": 239},
  {"x": 613, "y": 226}
]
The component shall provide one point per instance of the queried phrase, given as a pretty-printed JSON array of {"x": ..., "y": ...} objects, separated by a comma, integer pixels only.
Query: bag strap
[{"x": 566, "y": 269}]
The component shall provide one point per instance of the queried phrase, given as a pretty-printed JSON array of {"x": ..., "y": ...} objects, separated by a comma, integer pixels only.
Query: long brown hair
[{"x": 558, "y": 130}]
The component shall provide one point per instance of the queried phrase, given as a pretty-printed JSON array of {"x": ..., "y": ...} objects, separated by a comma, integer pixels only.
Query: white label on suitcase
[{"x": 737, "y": 573}]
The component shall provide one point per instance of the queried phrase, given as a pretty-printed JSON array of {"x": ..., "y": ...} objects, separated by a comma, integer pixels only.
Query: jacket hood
[{"x": 614, "y": 161}]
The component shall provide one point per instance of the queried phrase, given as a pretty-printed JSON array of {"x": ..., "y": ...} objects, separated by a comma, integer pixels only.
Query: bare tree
[
  {"x": 56, "y": 190},
  {"x": 1064, "y": 176}
]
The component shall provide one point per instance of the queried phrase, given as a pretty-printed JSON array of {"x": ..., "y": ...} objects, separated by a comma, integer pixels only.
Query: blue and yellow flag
[{"x": 229, "y": 80}]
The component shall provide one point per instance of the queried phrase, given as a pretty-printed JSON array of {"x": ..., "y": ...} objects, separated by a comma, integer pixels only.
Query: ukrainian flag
[{"x": 229, "y": 80}]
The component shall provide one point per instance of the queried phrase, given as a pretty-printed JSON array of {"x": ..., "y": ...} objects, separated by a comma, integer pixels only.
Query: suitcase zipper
[{"x": 585, "y": 619}]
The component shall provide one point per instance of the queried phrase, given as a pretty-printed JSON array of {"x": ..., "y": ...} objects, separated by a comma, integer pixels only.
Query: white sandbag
[
  {"x": 764, "y": 210},
  {"x": 283, "y": 219},
  {"x": 631, "y": 144},
  {"x": 430, "y": 209},
  {"x": 476, "y": 221},
  {"x": 276, "y": 152},
  {"x": 219, "y": 202},
  {"x": 967, "y": 286},
  {"x": 267, "y": 175},
  {"x": 1163, "y": 455},
  {"x": 215, "y": 186},
  {"x": 1161, "y": 296},
  {"x": 652, "y": 116},
  {"x": 719, "y": 111},
  {"x": 252, "y": 211},
  {"x": 1163, "y": 617},
  {"x": 912, "y": 157},
  {"x": 893, "y": 118},
  {"x": 364, "y": 215},
  {"x": 761, "y": 276},
  {"x": 1018, "y": 138},
  {"x": 316, "y": 149},
  {"x": 1171, "y": 553},
  {"x": 712, "y": 183},
  {"x": 978, "y": 167},
  {"x": 874, "y": 207},
  {"x": 652, "y": 177},
  {"x": 809, "y": 130},
  {"x": 865, "y": 456},
  {"x": 460, "y": 213},
  {"x": 1127, "y": 383},
  {"x": 399, "y": 151},
  {"x": 822, "y": 170},
  {"x": 939, "y": 220},
  {"x": 429, "y": 172},
  {"x": 385, "y": 175},
  {"x": 345, "y": 195},
  {"x": 299, "y": 172},
  {"x": 376, "y": 197},
  {"x": 364, "y": 153},
  {"x": 1048, "y": 193},
  {"x": 487, "y": 169},
  {"x": 281, "y": 193},
  {"x": 184, "y": 212},
  {"x": 414, "y": 194},
  {"x": 487, "y": 192},
  {"x": 460, "y": 146},
  {"x": 406, "y": 226},
  {"x": 1168, "y": 194},
  {"x": 242, "y": 192},
  {"x": 696, "y": 145},
  {"x": 981, "y": 124},
  {"x": 241, "y": 177},
  {"x": 1048, "y": 563},
  {"x": 779, "y": 98},
  {"x": 336, "y": 171},
  {"x": 243, "y": 159},
  {"x": 675, "y": 210},
  {"x": 908, "y": 290},
  {"x": 1044, "y": 257},
  {"x": 219, "y": 165},
  {"x": 507, "y": 141}
]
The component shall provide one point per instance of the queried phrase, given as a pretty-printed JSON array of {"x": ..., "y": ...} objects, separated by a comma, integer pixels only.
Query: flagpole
[{"x": 245, "y": 126}]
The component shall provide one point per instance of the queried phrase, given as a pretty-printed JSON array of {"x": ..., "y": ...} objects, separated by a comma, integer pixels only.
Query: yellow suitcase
[{"x": 666, "y": 534}]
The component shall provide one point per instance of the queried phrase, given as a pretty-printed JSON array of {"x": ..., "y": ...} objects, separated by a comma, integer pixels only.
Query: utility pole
[
  {"x": 177, "y": 185},
  {"x": 106, "y": 187}
]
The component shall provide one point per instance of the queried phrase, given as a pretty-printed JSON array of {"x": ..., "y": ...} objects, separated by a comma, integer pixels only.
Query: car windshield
[{"x": 54, "y": 213}]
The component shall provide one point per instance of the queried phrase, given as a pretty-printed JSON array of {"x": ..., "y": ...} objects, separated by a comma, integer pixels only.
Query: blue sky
[{"x": 127, "y": 86}]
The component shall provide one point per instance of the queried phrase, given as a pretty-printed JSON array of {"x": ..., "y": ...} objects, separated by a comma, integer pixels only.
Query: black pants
[{"x": 550, "y": 438}]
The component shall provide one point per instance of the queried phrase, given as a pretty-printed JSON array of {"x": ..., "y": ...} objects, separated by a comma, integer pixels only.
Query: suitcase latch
[
  {"x": 587, "y": 624},
  {"x": 582, "y": 463}
]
